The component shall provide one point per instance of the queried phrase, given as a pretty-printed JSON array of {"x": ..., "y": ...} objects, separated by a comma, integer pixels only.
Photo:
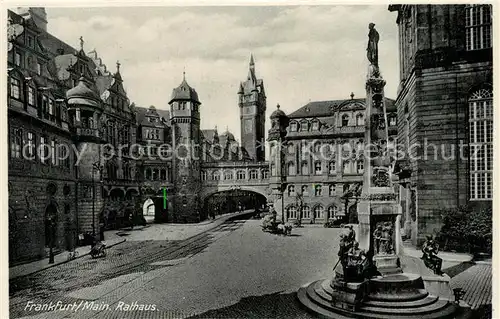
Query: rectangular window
[
  {"x": 53, "y": 152},
  {"x": 15, "y": 88},
  {"x": 38, "y": 68},
  {"x": 478, "y": 26},
  {"x": 16, "y": 143},
  {"x": 31, "y": 96},
  {"x": 51, "y": 107},
  {"x": 481, "y": 147},
  {"x": 317, "y": 190},
  {"x": 31, "y": 142},
  {"x": 45, "y": 104},
  {"x": 43, "y": 149}
]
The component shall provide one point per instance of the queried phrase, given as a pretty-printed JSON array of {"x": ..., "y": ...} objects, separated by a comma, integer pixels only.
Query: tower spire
[
  {"x": 118, "y": 66},
  {"x": 81, "y": 43},
  {"x": 252, "y": 63},
  {"x": 184, "y": 74}
]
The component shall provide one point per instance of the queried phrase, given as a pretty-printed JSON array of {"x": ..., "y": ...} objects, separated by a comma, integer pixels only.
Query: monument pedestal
[{"x": 387, "y": 264}]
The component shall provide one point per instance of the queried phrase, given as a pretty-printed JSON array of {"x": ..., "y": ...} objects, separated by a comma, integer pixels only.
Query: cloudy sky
[{"x": 302, "y": 53}]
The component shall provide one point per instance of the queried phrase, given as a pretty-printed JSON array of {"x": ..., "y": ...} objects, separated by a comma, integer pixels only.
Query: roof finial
[
  {"x": 352, "y": 95},
  {"x": 184, "y": 74},
  {"x": 252, "y": 63},
  {"x": 216, "y": 128},
  {"x": 81, "y": 43},
  {"x": 118, "y": 66},
  {"x": 278, "y": 106}
]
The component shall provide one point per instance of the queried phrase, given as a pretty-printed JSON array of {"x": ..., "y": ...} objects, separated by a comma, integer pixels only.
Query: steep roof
[
  {"x": 209, "y": 134},
  {"x": 184, "y": 92},
  {"x": 326, "y": 108}
]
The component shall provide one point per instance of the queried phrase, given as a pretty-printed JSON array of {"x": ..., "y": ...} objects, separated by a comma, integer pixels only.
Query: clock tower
[{"x": 252, "y": 103}]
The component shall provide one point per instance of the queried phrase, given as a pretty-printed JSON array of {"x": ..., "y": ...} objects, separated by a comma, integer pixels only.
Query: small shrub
[{"x": 466, "y": 230}]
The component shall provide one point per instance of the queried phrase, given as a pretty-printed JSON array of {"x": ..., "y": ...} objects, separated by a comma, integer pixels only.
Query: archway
[
  {"x": 148, "y": 209},
  {"x": 230, "y": 201}
]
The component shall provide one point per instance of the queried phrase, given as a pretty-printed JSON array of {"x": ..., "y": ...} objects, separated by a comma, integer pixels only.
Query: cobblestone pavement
[
  {"x": 232, "y": 271},
  {"x": 55, "y": 284},
  {"x": 477, "y": 283}
]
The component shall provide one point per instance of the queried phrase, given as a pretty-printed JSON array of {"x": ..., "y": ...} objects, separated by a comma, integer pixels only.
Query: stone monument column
[{"x": 378, "y": 209}]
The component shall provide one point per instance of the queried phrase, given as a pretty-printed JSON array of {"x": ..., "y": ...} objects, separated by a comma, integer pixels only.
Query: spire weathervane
[
  {"x": 81, "y": 43},
  {"x": 352, "y": 95},
  {"x": 118, "y": 66},
  {"x": 184, "y": 74}
]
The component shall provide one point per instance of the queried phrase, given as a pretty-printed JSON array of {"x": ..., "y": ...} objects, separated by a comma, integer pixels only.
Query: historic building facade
[
  {"x": 320, "y": 159},
  {"x": 445, "y": 98}
]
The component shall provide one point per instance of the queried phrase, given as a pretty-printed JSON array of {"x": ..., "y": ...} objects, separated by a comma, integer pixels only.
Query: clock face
[{"x": 248, "y": 126}]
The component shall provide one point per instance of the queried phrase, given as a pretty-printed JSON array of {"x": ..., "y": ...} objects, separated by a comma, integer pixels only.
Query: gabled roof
[{"x": 143, "y": 113}]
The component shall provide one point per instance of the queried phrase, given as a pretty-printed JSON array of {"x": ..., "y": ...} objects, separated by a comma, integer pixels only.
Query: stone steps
[{"x": 317, "y": 298}]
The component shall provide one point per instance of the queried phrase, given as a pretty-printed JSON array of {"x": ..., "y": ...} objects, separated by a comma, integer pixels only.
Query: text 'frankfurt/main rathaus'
[{"x": 84, "y": 158}]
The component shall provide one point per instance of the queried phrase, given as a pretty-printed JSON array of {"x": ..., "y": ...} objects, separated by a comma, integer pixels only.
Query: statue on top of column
[{"x": 372, "y": 48}]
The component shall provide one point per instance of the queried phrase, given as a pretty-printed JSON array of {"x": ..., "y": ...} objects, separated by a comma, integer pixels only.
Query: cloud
[{"x": 302, "y": 52}]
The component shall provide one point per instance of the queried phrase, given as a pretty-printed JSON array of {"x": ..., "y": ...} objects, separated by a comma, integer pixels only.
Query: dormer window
[
  {"x": 315, "y": 125},
  {"x": 304, "y": 126},
  {"x": 15, "y": 88},
  {"x": 293, "y": 127},
  {"x": 39, "y": 71}
]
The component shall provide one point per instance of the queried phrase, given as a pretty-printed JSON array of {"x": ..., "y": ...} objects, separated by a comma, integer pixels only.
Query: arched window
[
  {"x": 304, "y": 190},
  {"x": 360, "y": 166},
  {"x": 332, "y": 168},
  {"x": 360, "y": 120},
  {"x": 291, "y": 190},
  {"x": 216, "y": 175},
  {"x": 331, "y": 190},
  {"x": 317, "y": 168},
  {"x": 147, "y": 174},
  {"x": 317, "y": 190},
  {"x": 481, "y": 144},
  {"x": 318, "y": 212},
  {"x": 305, "y": 168},
  {"x": 478, "y": 26},
  {"x": 228, "y": 175},
  {"x": 254, "y": 174},
  {"x": 293, "y": 127},
  {"x": 306, "y": 212},
  {"x": 332, "y": 212},
  {"x": 163, "y": 174},
  {"x": 155, "y": 174},
  {"x": 203, "y": 175},
  {"x": 291, "y": 212},
  {"x": 291, "y": 168},
  {"x": 241, "y": 175},
  {"x": 345, "y": 120}
]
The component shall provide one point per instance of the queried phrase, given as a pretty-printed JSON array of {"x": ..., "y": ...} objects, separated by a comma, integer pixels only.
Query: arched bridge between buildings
[{"x": 235, "y": 176}]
